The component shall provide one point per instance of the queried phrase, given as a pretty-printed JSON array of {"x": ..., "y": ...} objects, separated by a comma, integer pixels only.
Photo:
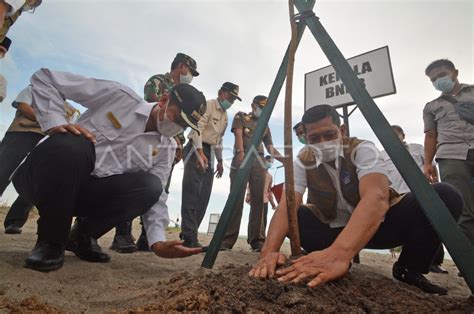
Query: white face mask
[
  {"x": 185, "y": 79},
  {"x": 327, "y": 151},
  {"x": 257, "y": 112},
  {"x": 167, "y": 127}
]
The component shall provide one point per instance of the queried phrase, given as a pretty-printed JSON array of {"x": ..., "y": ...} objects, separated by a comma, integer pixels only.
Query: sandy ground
[{"x": 132, "y": 281}]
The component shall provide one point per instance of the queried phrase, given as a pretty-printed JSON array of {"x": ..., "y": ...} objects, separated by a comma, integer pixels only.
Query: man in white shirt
[
  {"x": 106, "y": 169},
  {"x": 350, "y": 206}
]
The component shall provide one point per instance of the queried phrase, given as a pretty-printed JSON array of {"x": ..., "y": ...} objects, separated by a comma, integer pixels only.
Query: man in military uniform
[
  {"x": 243, "y": 127},
  {"x": 21, "y": 137},
  {"x": 105, "y": 169},
  {"x": 16, "y": 8},
  {"x": 157, "y": 89},
  {"x": 350, "y": 206},
  {"x": 199, "y": 162}
]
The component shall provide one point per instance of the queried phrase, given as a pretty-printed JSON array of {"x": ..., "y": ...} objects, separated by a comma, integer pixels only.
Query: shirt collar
[{"x": 144, "y": 108}]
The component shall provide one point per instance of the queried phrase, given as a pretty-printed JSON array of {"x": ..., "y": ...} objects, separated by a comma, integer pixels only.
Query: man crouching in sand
[{"x": 350, "y": 207}]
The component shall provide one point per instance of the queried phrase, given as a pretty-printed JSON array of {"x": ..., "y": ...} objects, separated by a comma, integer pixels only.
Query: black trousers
[
  {"x": 196, "y": 191},
  {"x": 405, "y": 225},
  {"x": 56, "y": 179},
  {"x": 13, "y": 149}
]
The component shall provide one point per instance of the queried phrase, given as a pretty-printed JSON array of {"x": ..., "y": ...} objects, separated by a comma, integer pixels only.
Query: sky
[{"x": 243, "y": 42}]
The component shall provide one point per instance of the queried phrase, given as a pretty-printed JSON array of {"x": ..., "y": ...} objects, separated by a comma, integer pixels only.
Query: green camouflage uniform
[{"x": 157, "y": 86}]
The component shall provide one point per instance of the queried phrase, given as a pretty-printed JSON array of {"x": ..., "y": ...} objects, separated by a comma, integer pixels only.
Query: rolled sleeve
[
  {"x": 428, "y": 119},
  {"x": 156, "y": 219},
  {"x": 3, "y": 88},
  {"x": 300, "y": 176},
  {"x": 368, "y": 159}
]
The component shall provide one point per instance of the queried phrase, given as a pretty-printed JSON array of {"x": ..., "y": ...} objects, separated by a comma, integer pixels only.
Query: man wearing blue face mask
[
  {"x": 198, "y": 156},
  {"x": 107, "y": 168},
  {"x": 349, "y": 207},
  {"x": 451, "y": 138}
]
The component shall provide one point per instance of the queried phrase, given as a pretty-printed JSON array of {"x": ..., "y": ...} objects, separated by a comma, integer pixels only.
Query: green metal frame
[{"x": 456, "y": 242}]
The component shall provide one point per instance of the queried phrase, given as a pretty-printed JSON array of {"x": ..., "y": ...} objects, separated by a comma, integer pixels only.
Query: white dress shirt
[
  {"x": 117, "y": 117},
  {"x": 366, "y": 159}
]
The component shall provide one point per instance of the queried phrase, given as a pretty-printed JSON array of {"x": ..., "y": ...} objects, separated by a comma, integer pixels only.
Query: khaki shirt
[
  {"x": 455, "y": 135},
  {"x": 212, "y": 126},
  {"x": 248, "y": 124},
  {"x": 22, "y": 124}
]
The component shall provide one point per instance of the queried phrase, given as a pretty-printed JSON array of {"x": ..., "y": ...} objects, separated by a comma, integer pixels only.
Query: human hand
[
  {"x": 173, "y": 249},
  {"x": 430, "y": 173},
  {"x": 202, "y": 161},
  {"x": 220, "y": 169},
  {"x": 317, "y": 267},
  {"x": 267, "y": 264},
  {"x": 74, "y": 129}
]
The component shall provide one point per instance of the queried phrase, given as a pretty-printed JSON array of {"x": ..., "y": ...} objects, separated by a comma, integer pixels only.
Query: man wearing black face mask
[
  {"x": 349, "y": 207},
  {"x": 451, "y": 138},
  {"x": 106, "y": 169}
]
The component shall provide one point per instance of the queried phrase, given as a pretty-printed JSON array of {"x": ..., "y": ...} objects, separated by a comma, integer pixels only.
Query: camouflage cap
[
  {"x": 232, "y": 89},
  {"x": 190, "y": 62},
  {"x": 191, "y": 102},
  {"x": 260, "y": 100}
]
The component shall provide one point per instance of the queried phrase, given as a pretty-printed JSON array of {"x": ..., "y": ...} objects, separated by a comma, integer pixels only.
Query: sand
[{"x": 143, "y": 281}]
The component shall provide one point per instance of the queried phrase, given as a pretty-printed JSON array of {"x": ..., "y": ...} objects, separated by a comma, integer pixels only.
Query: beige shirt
[
  {"x": 455, "y": 135},
  {"x": 212, "y": 126}
]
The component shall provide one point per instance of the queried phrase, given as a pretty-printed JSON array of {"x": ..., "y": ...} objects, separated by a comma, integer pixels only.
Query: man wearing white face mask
[
  {"x": 107, "y": 168},
  {"x": 350, "y": 206},
  {"x": 157, "y": 89},
  {"x": 199, "y": 162},
  {"x": 450, "y": 137}
]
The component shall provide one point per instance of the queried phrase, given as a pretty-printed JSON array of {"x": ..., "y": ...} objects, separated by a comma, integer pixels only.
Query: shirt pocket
[{"x": 105, "y": 129}]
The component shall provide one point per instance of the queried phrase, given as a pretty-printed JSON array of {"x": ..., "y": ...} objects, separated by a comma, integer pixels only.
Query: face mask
[
  {"x": 167, "y": 127},
  {"x": 444, "y": 84},
  {"x": 225, "y": 104},
  {"x": 268, "y": 165},
  {"x": 185, "y": 79},
  {"x": 327, "y": 151},
  {"x": 257, "y": 112},
  {"x": 302, "y": 139}
]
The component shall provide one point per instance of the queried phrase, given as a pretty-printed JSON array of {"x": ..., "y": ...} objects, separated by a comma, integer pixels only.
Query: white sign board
[{"x": 324, "y": 86}]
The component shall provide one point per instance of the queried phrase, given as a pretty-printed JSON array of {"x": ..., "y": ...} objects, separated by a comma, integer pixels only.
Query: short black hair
[
  {"x": 297, "y": 125},
  {"x": 398, "y": 129},
  {"x": 439, "y": 63},
  {"x": 319, "y": 112}
]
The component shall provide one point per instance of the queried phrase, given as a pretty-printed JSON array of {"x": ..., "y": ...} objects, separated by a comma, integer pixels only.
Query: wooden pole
[{"x": 289, "y": 174}]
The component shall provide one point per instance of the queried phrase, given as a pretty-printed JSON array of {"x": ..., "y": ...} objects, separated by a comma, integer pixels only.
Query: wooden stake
[{"x": 289, "y": 174}]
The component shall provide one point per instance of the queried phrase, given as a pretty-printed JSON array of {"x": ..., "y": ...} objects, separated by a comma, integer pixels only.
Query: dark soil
[{"x": 233, "y": 291}]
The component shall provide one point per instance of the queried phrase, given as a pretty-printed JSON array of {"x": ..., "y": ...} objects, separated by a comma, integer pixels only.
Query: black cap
[
  {"x": 260, "y": 101},
  {"x": 191, "y": 102},
  {"x": 190, "y": 62},
  {"x": 232, "y": 89},
  {"x": 6, "y": 42}
]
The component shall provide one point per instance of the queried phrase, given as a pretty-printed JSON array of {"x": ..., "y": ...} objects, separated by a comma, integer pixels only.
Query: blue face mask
[
  {"x": 302, "y": 139},
  {"x": 444, "y": 84},
  {"x": 225, "y": 104},
  {"x": 268, "y": 165}
]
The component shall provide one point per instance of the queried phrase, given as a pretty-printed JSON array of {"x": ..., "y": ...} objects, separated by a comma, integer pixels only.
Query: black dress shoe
[
  {"x": 85, "y": 247},
  {"x": 12, "y": 229},
  {"x": 436, "y": 268},
  {"x": 416, "y": 279},
  {"x": 46, "y": 256},
  {"x": 123, "y": 244},
  {"x": 142, "y": 244}
]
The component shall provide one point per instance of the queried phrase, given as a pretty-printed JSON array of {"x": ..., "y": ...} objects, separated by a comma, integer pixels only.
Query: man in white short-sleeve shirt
[{"x": 350, "y": 207}]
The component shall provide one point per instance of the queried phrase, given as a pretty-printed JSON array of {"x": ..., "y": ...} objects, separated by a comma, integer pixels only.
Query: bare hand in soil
[
  {"x": 317, "y": 267},
  {"x": 173, "y": 249},
  {"x": 267, "y": 264}
]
